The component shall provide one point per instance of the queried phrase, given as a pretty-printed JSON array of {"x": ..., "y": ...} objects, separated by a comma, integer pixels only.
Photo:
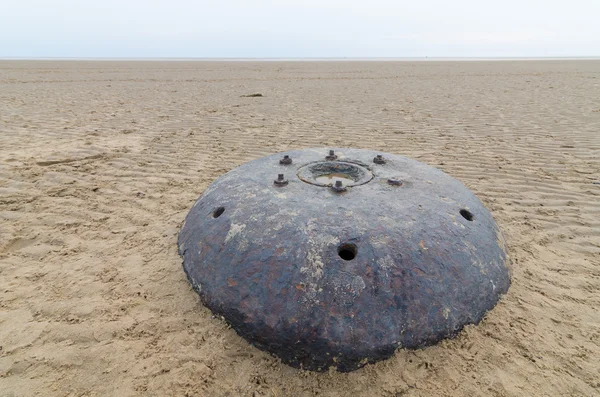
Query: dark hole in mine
[
  {"x": 217, "y": 213},
  {"x": 466, "y": 214},
  {"x": 347, "y": 251}
]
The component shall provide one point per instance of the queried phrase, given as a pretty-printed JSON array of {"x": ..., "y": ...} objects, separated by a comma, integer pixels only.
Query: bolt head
[
  {"x": 331, "y": 155},
  {"x": 338, "y": 187},
  {"x": 280, "y": 181},
  {"x": 379, "y": 159}
]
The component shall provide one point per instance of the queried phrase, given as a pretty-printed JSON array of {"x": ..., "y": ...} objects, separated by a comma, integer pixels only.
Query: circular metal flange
[
  {"x": 321, "y": 279},
  {"x": 326, "y": 173}
]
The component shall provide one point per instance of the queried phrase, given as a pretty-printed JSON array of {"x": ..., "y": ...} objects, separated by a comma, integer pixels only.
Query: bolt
[
  {"x": 379, "y": 159},
  {"x": 280, "y": 181},
  {"x": 338, "y": 187},
  {"x": 331, "y": 156},
  {"x": 286, "y": 160},
  {"x": 394, "y": 182}
]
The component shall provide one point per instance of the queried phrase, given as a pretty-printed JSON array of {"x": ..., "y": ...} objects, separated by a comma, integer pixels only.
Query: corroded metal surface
[{"x": 324, "y": 277}]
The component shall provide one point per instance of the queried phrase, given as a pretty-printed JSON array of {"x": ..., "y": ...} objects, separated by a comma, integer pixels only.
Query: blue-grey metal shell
[{"x": 269, "y": 263}]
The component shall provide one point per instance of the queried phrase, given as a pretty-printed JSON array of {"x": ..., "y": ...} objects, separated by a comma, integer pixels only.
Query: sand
[{"x": 100, "y": 162}]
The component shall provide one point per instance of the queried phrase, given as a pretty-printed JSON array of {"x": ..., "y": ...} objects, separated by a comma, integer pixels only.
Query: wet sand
[{"x": 100, "y": 162}]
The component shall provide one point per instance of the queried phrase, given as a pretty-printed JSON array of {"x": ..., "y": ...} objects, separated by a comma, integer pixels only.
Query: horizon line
[{"x": 424, "y": 58}]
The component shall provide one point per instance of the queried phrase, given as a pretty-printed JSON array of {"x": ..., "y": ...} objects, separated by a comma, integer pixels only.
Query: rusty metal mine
[{"x": 403, "y": 257}]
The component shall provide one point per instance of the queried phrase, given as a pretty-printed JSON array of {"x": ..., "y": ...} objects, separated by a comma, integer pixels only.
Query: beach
[{"x": 100, "y": 161}]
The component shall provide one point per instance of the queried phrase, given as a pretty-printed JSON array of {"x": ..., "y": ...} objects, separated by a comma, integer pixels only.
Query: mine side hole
[
  {"x": 218, "y": 212},
  {"x": 467, "y": 215},
  {"x": 347, "y": 251}
]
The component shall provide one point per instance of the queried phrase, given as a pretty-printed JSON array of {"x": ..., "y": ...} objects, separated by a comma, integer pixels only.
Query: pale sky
[{"x": 299, "y": 28}]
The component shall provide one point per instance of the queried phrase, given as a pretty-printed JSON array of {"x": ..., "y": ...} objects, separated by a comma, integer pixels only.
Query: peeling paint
[{"x": 234, "y": 230}]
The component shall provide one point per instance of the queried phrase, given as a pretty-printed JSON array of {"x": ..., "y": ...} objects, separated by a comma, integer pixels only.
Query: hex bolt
[
  {"x": 379, "y": 159},
  {"x": 338, "y": 187},
  {"x": 286, "y": 160},
  {"x": 280, "y": 181},
  {"x": 395, "y": 182},
  {"x": 331, "y": 156}
]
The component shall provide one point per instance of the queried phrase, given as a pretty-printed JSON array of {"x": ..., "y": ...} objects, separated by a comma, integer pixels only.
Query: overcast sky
[{"x": 299, "y": 28}]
